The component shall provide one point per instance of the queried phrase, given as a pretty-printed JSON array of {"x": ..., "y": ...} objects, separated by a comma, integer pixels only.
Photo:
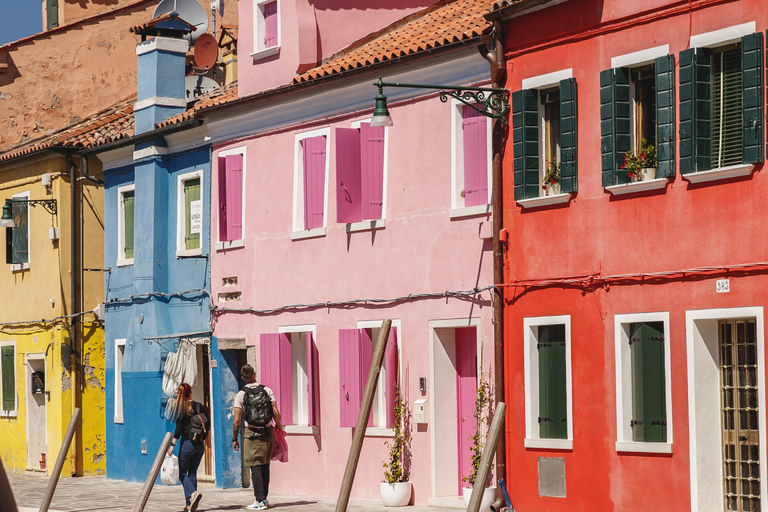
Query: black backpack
[
  {"x": 257, "y": 406},
  {"x": 198, "y": 424}
]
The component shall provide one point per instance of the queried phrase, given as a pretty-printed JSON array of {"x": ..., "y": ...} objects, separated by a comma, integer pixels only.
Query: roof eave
[{"x": 520, "y": 9}]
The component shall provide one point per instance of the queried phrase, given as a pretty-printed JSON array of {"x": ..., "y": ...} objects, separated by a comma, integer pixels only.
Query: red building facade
[{"x": 635, "y": 348}]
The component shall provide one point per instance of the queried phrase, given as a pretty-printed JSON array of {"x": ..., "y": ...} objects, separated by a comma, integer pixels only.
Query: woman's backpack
[
  {"x": 198, "y": 423},
  {"x": 257, "y": 406}
]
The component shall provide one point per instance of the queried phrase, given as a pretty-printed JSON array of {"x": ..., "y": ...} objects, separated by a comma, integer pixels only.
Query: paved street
[{"x": 87, "y": 494}]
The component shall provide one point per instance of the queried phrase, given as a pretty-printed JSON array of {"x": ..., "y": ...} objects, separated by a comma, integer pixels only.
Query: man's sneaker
[
  {"x": 196, "y": 497},
  {"x": 258, "y": 505}
]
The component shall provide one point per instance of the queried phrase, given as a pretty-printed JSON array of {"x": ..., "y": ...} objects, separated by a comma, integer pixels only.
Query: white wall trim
[
  {"x": 298, "y": 180},
  {"x": 723, "y": 36},
  {"x": 640, "y": 58},
  {"x": 722, "y": 173},
  {"x": 118, "y": 410},
  {"x": 166, "y": 44},
  {"x": 299, "y": 328},
  {"x": 160, "y": 101},
  {"x": 234, "y": 244},
  {"x": 548, "y": 80},
  {"x": 150, "y": 151},
  {"x": 633, "y": 447}
]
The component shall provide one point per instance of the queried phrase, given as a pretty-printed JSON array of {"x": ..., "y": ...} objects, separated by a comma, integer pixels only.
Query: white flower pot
[
  {"x": 553, "y": 189},
  {"x": 395, "y": 495},
  {"x": 489, "y": 496},
  {"x": 649, "y": 173}
]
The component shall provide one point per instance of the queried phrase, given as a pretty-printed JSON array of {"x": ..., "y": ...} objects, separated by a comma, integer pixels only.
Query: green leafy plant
[
  {"x": 397, "y": 462},
  {"x": 482, "y": 402},
  {"x": 551, "y": 174},
  {"x": 645, "y": 158}
]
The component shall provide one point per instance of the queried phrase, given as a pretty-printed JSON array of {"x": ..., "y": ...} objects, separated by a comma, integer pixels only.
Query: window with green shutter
[
  {"x": 649, "y": 403},
  {"x": 8, "y": 375},
  {"x": 192, "y": 213},
  {"x": 17, "y": 237},
  {"x": 128, "y": 224},
  {"x": 553, "y": 405},
  {"x": 52, "y": 14}
]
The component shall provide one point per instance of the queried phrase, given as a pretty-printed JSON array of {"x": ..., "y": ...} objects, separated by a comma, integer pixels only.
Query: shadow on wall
[{"x": 7, "y": 74}]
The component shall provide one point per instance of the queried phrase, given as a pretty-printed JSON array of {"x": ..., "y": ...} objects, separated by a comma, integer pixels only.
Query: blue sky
[{"x": 20, "y": 18}]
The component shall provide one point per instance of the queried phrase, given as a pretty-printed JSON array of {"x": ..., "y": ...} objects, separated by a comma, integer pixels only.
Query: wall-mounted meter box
[{"x": 420, "y": 411}]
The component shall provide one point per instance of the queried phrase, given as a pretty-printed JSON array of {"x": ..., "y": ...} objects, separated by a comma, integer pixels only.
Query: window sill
[
  {"x": 637, "y": 186},
  {"x": 232, "y": 244},
  {"x": 636, "y": 447},
  {"x": 536, "y": 202},
  {"x": 550, "y": 444},
  {"x": 301, "y": 429},
  {"x": 470, "y": 211},
  {"x": 309, "y": 233},
  {"x": 125, "y": 263},
  {"x": 722, "y": 173},
  {"x": 18, "y": 267},
  {"x": 366, "y": 225},
  {"x": 189, "y": 252},
  {"x": 8, "y": 414},
  {"x": 267, "y": 52},
  {"x": 379, "y": 432},
  {"x": 118, "y": 419}
]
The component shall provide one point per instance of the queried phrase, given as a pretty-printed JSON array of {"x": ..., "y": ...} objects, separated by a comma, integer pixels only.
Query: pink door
[{"x": 466, "y": 392}]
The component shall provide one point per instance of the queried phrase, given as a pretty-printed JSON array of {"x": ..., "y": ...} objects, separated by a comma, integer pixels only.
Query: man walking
[{"x": 255, "y": 406}]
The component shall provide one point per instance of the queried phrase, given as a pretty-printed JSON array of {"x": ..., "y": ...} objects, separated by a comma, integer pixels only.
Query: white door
[{"x": 36, "y": 420}]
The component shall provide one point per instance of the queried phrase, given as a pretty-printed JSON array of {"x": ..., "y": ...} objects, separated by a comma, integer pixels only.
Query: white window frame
[
  {"x": 457, "y": 166},
  {"x": 379, "y": 406},
  {"x": 17, "y": 267},
  {"x": 299, "y": 379},
  {"x": 298, "y": 231},
  {"x": 181, "y": 214},
  {"x": 261, "y": 51},
  {"x": 371, "y": 224},
  {"x": 623, "y": 356},
  {"x": 232, "y": 244},
  {"x": 122, "y": 261},
  {"x": 15, "y": 412},
  {"x": 531, "y": 364},
  {"x": 118, "y": 371}
]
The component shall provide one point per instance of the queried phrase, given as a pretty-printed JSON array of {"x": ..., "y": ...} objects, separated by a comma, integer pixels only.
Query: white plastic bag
[{"x": 169, "y": 473}]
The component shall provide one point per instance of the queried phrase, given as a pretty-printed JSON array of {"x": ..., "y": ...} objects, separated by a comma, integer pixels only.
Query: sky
[{"x": 20, "y": 18}]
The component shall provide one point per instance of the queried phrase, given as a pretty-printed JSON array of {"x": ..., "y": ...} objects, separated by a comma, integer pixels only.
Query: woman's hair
[{"x": 184, "y": 398}]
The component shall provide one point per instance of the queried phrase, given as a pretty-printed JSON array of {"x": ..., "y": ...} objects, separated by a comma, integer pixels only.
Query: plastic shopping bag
[
  {"x": 169, "y": 473},
  {"x": 281, "y": 447}
]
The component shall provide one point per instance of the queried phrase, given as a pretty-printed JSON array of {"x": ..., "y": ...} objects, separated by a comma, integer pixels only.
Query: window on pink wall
[
  {"x": 266, "y": 28},
  {"x": 474, "y": 131},
  {"x": 270, "y": 24},
  {"x": 230, "y": 200},
  {"x": 360, "y": 173},
  {"x": 313, "y": 160}
]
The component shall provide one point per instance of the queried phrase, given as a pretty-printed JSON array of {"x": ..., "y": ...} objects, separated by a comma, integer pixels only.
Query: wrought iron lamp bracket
[{"x": 48, "y": 205}]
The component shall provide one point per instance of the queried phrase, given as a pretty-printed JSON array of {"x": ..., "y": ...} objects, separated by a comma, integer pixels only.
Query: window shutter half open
[
  {"x": 649, "y": 413},
  {"x": 312, "y": 379},
  {"x": 525, "y": 137},
  {"x": 222, "y": 191},
  {"x": 474, "y": 130},
  {"x": 348, "y": 188},
  {"x": 752, "y": 98},
  {"x": 21, "y": 233},
  {"x": 366, "y": 357},
  {"x": 9, "y": 245},
  {"x": 553, "y": 407},
  {"x": 349, "y": 377},
  {"x": 664, "y": 68},
  {"x": 372, "y": 169},
  {"x": 568, "y": 139},
  {"x": 276, "y": 373},
  {"x": 9, "y": 378},
  {"x": 614, "y": 124},
  {"x": 391, "y": 372},
  {"x": 695, "y": 129}
]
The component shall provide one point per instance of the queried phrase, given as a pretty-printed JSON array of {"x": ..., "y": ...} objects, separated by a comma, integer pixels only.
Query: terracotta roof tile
[{"x": 216, "y": 97}]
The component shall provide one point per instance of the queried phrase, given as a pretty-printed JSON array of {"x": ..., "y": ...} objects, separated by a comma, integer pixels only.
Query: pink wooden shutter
[
  {"x": 349, "y": 376},
  {"x": 311, "y": 376},
  {"x": 314, "y": 181},
  {"x": 222, "y": 191},
  {"x": 475, "y": 133},
  {"x": 234, "y": 197},
  {"x": 270, "y": 25},
  {"x": 348, "y": 194},
  {"x": 366, "y": 357},
  {"x": 275, "y": 350},
  {"x": 390, "y": 370},
  {"x": 372, "y": 169}
]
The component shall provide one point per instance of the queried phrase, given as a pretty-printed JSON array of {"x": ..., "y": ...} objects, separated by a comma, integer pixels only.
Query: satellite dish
[
  {"x": 198, "y": 85},
  {"x": 190, "y": 11},
  {"x": 218, "y": 5},
  {"x": 206, "y": 51}
]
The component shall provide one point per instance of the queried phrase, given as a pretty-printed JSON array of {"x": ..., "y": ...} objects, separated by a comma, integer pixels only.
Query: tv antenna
[{"x": 190, "y": 11}]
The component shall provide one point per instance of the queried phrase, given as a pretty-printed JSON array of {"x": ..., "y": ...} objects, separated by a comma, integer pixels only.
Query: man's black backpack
[
  {"x": 257, "y": 406},
  {"x": 198, "y": 423}
]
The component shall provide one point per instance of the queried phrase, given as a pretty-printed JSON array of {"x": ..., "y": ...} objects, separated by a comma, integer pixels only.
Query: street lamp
[
  {"x": 6, "y": 221},
  {"x": 488, "y": 101}
]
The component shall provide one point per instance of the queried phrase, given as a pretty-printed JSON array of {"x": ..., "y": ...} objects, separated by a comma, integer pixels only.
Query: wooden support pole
[
  {"x": 150, "y": 482},
  {"x": 486, "y": 460},
  {"x": 7, "y": 500},
  {"x": 362, "y": 418},
  {"x": 60, "y": 460}
]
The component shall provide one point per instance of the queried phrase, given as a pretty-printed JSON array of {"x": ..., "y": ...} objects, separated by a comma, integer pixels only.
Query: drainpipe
[
  {"x": 84, "y": 167},
  {"x": 76, "y": 280},
  {"x": 495, "y": 57}
]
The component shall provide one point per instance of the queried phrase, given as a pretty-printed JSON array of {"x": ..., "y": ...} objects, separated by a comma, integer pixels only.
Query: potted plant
[
  {"x": 641, "y": 166},
  {"x": 551, "y": 181},
  {"x": 482, "y": 402},
  {"x": 396, "y": 488}
]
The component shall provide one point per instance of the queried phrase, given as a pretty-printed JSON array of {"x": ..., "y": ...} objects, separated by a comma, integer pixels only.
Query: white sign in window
[{"x": 196, "y": 216}]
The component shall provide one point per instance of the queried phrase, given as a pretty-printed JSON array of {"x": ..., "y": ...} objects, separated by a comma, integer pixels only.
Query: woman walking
[{"x": 192, "y": 426}]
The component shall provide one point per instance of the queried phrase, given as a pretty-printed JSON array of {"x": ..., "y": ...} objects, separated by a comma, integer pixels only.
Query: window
[
  {"x": 231, "y": 165},
  {"x": 643, "y": 390},
  {"x": 544, "y": 135},
  {"x": 266, "y": 30},
  {"x": 356, "y": 348},
  {"x": 310, "y": 183},
  {"x": 17, "y": 237},
  {"x": 721, "y": 106},
  {"x": 471, "y": 161},
  {"x": 125, "y": 219},
  {"x": 360, "y": 171},
  {"x": 637, "y": 102},
  {"x": 190, "y": 214},
  {"x": 8, "y": 377},
  {"x": 548, "y": 383},
  {"x": 119, "y": 353},
  {"x": 52, "y": 14},
  {"x": 289, "y": 367}
]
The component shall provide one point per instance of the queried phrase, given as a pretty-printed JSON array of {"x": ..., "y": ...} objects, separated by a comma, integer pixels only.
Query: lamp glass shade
[
  {"x": 381, "y": 121},
  {"x": 6, "y": 221}
]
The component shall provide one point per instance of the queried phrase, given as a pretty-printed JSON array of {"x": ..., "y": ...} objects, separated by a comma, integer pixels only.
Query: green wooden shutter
[
  {"x": 191, "y": 193},
  {"x": 20, "y": 232},
  {"x": 694, "y": 110},
  {"x": 553, "y": 405},
  {"x": 664, "y": 68},
  {"x": 52, "y": 10},
  {"x": 568, "y": 136},
  {"x": 128, "y": 203},
  {"x": 525, "y": 137},
  {"x": 649, "y": 403},
  {"x": 752, "y": 98},
  {"x": 8, "y": 370},
  {"x": 614, "y": 124}
]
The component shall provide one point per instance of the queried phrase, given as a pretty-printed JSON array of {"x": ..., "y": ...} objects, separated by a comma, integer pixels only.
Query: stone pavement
[{"x": 96, "y": 493}]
